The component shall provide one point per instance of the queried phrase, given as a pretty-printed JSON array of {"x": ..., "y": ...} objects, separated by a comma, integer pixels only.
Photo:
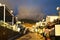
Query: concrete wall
[{"x": 57, "y": 30}]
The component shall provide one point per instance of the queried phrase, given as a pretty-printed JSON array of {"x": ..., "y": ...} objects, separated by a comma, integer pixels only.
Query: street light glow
[
  {"x": 11, "y": 11},
  {"x": 58, "y": 8},
  {"x": 18, "y": 22},
  {"x": 0, "y": 4}
]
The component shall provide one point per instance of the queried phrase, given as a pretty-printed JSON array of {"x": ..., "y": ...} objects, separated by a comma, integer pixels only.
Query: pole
[
  {"x": 4, "y": 14},
  {"x": 59, "y": 13},
  {"x": 16, "y": 21},
  {"x": 12, "y": 20},
  {"x": 12, "y": 17},
  {"x": 4, "y": 33}
]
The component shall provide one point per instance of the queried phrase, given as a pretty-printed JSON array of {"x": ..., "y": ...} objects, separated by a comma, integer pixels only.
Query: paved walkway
[{"x": 31, "y": 36}]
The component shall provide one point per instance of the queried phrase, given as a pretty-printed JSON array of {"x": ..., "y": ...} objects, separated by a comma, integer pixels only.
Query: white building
[
  {"x": 40, "y": 23},
  {"x": 51, "y": 18}
]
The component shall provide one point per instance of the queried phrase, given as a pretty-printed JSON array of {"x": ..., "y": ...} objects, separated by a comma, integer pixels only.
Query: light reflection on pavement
[{"x": 31, "y": 36}]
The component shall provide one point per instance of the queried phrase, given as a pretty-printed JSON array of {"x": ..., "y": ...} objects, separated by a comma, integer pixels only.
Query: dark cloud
[
  {"x": 34, "y": 13},
  {"x": 7, "y": 3}
]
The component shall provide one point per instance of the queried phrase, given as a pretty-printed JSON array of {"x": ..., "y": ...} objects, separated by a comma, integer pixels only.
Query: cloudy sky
[{"x": 24, "y": 8}]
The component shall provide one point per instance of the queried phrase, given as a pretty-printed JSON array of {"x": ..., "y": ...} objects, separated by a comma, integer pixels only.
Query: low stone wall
[{"x": 5, "y": 33}]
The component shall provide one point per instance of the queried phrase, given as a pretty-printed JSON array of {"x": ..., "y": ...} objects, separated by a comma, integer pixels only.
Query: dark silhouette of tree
[{"x": 57, "y": 21}]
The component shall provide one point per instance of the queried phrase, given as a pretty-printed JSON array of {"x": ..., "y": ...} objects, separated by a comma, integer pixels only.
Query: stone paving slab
[{"x": 31, "y": 36}]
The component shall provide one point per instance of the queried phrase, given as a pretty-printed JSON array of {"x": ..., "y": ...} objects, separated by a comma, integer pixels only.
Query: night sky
[{"x": 44, "y": 7}]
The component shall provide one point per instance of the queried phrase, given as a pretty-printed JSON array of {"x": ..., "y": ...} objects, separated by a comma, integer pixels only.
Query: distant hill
[{"x": 28, "y": 21}]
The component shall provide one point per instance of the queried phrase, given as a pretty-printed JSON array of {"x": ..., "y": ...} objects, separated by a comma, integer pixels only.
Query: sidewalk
[{"x": 31, "y": 36}]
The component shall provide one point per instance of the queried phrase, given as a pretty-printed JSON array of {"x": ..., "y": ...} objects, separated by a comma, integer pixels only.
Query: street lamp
[{"x": 58, "y": 8}]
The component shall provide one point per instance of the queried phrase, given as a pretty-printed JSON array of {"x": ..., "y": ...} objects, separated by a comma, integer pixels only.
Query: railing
[{"x": 6, "y": 25}]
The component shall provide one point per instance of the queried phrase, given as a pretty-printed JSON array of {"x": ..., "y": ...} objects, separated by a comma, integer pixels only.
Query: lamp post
[
  {"x": 12, "y": 17},
  {"x": 4, "y": 12},
  {"x": 58, "y": 8},
  {"x": 16, "y": 21}
]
